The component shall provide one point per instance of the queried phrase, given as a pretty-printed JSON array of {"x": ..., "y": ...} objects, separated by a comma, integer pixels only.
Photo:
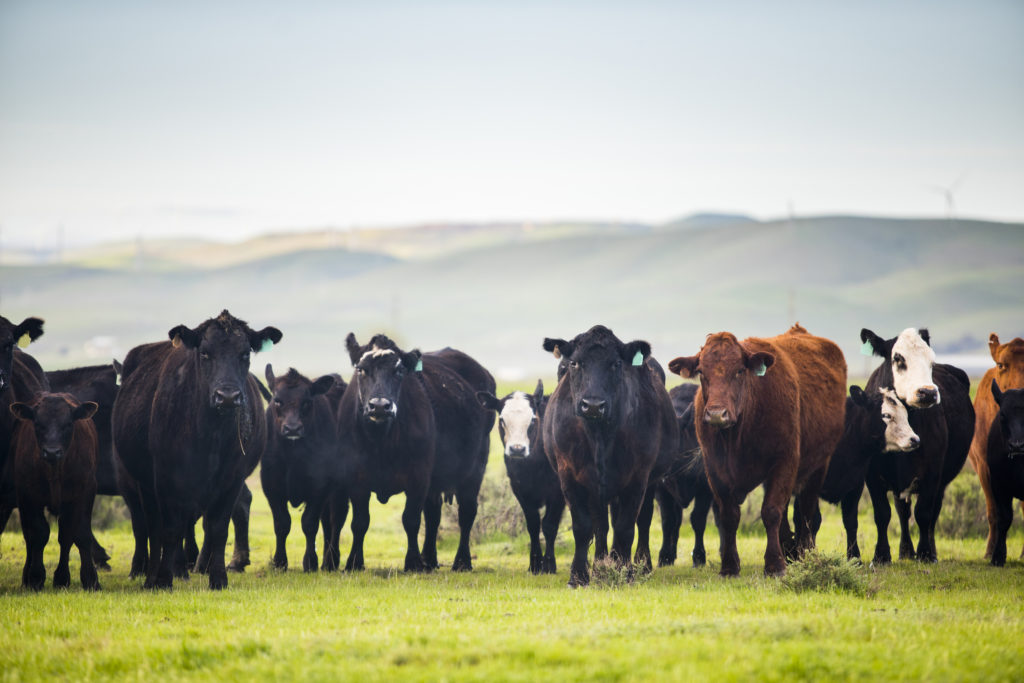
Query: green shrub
[
  {"x": 963, "y": 508},
  {"x": 498, "y": 512},
  {"x": 607, "y": 574},
  {"x": 818, "y": 571}
]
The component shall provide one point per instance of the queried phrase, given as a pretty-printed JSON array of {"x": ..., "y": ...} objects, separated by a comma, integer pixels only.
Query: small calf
[{"x": 55, "y": 447}]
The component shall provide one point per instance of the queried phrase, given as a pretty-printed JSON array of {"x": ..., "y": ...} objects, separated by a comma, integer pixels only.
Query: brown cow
[
  {"x": 1009, "y": 374},
  {"x": 54, "y": 448},
  {"x": 768, "y": 411}
]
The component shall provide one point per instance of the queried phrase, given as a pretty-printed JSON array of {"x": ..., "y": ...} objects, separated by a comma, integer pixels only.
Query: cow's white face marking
[
  {"x": 375, "y": 353},
  {"x": 516, "y": 417},
  {"x": 899, "y": 436},
  {"x": 912, "y": 361}
]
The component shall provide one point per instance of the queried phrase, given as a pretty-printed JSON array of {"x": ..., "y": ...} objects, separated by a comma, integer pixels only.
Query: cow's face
[
  {"x": 223, "y": 347},
  {"x": 292, "y": 404},
  {"x": 889, "y": 423},
  {"x": 1009, "y": 360},
  {"x": 597, "y": 362},
  {"x": 53, "y": 418},
  {"x": 380, "y": 370},
  {"x": 911, "y": 359},
  {"x": 1010, "y": 417},
  {"x": 727, "y": 375},
  {"x": 518, "y": 419},
  {"x": 10, "y": 336}
]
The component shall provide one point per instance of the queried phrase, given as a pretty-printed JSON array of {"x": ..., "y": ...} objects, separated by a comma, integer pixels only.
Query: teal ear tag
[
  {"x": 638, "y": 359},
  {"x": 266, "y": 345},
  {"x": 419, "y": 365},
  {"x": 761, "y": 369},
  {"x": 24, "y": 340},
  {"x": 866, "y": 349}
]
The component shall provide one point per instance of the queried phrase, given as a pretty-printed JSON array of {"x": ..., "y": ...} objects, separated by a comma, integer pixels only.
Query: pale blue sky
[{"x": 223, "y": 119}]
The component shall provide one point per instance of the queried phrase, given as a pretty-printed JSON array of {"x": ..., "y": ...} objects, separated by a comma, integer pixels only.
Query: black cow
[
  {"x": 607, "y": 422},
  {"x": 941, "y": 415},
  {"x": 534, "y": 482},
  {"x": 301, "y": 463},
  {"x": 683, "y": 482},
  {"x": 411, "y": 423},
  {"x": 188, "y": 428},
  {"x": 1006, "y": 462}
]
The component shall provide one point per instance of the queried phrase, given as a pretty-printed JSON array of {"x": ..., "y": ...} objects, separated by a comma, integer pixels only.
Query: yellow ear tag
[
  {"x": 24, "y": 340},
  {"x": 761, "y": 369},
  {"x": 638, "y": 359},
  {"x": 266, "y": 345}
]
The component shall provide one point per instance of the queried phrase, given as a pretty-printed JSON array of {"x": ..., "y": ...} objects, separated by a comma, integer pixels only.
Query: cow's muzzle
[
  {"x": 52, "y": 455},
  {"x": 592, "y": 409},
  {"x": 719, "y": 418},
  {"x": 926, "y": 397},
  {"x": 227, "y": 398},
  {"x": 379, "y": 409},
  {"x": 292, "y": 432}
]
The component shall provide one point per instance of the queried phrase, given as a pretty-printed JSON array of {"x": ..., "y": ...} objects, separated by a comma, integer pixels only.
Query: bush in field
[
  {"x": 606, "y": 574},
  {"x": 818, "y": 571},
  {"x": 498, "y": 512},
  {"x": 750, "y": 514},
  {"x": 963, "y": 508},
  {"x": 107, "y": 512}
]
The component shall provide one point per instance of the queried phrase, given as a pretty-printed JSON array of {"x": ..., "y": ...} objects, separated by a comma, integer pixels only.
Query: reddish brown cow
[
  {"x": 768, "y": 411},
  {"x": 1009, "y": 374},
  {"x": 54, "y": 448}
]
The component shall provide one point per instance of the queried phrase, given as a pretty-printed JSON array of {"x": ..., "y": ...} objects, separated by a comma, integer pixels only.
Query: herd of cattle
[{"x": 178, "y": 427}]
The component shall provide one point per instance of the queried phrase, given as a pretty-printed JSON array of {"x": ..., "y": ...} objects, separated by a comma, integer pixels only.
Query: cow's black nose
[
  {"x": 592, "y": 408},
  {"x": 1017, "y": 446},
  {"x": 915, "y": 441},
  {"x": 927, "y": 395},
  {"x": 517, "y": 451},
  {"x": 52, "y": 454},
  {"x": 718, "y": 417},
  {"x": 226, "y": 397},
  {"x": 291, "y": 431}
]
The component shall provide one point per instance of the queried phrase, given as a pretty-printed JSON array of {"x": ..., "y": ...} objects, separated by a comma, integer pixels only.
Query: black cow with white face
[
  {"x": 301, "y": 464},
  {"x": 410, "y": 423},
  {"x": 188, "y": 429},
  {"x": 607, "y": 422},
  {"x": 534, "y": 482},
  {"x": 1006, "y": 462},
  {"x": 941, "y": 414}
]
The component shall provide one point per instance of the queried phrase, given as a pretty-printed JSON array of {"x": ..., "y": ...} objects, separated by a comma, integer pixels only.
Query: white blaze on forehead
[
  {"x": 517, "y": 415},
  {"x": 912, "y": 361},
  {"x": 899, "y": 436},
  {"x": 375, "y": 353}
]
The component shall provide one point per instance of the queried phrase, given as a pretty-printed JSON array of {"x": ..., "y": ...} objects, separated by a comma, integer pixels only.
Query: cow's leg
[
  {"x": 83, "y": 541},
  {"x": 583, "y": 511},
  {"x": 467, "y": 497},
  {"x": 698, "y": 522},
  {"x": 310, "y": 525},
  {"x": 671, "y": 520},
  {"x": 777, "y": 492},
  {"x": 360, "y": 523},
  {"x": 240, "y": 520},
  {"x": 282, "y": 526},
  {"x": 140, "y": 558},
  {"x": 807, "y": 502},
  {"x": 194, "y": 558},
  {"x": 65, "y": 538},
  {"x": 532, "y": 515},
  {"x": 411, "y": 523},
  {"x": 100, "y": 556},
  {"x": 645, "y": 514},
  {"x": 926, "y": 514},
  {"x": 36, "y": 531},
  {"x": 980, "y": 464},
  {"x": 432, "y": 517},
  {"x": 728, "y": 524},
  {"x": 553, "y": 510},
  {"x": 333, "y": 520},
  {"x": 631, "y": 500},
  {"x": 601, "y": 534},
  {"x": 882, "y": 513},
  {"x": 1004, "y": 517},
  {"x": 849, "y": 505},
  {"x": 903, "y": 515},
  {"x": 216, "y": 522},
  {"x": 159, "y": 554}
]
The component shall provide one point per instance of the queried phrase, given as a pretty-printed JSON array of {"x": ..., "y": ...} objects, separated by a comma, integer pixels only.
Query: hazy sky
[{"x": 120, "y": 119}]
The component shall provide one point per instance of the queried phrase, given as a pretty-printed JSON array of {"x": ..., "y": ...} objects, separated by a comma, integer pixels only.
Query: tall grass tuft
[
  {"x": 498, "y": 512},
  {"x": 963, "y": 512},
  {"x": 818, "y": 571},
  {"x": 606, "y": 573}
]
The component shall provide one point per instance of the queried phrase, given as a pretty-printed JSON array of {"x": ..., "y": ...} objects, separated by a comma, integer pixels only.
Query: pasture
[{"x": 958, "y": 619}]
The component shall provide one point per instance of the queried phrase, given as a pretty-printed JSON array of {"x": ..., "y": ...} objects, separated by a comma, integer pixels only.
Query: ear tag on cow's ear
[
  {"x": 638, "y": 359},
  {"x": 24, "y": 340},
  {"x": 866, "y": 349},
  {"x": 419, "y": 365},
  {"x": 266, "y": 345},
  {"x": 761, "y": 369}
]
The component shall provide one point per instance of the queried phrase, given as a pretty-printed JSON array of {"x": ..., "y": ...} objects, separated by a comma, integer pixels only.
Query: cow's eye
[
  {"x": 204, "y": 355},
  {"x": 574, "y": 365},
  {"x": 277, "y": 402},
  {"x": 741, "y": 372},
  {"x": 360, "y": 372},
  {"x": 1001, "y": 366},
  {"x": 245, "y": 357}
]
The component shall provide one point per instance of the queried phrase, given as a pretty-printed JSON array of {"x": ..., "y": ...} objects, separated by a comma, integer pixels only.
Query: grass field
[{"x": 960, "y": 619}]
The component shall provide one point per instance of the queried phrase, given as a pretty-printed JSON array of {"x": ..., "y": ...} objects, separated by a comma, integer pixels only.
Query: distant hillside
[{"x": 496, "y": 292}]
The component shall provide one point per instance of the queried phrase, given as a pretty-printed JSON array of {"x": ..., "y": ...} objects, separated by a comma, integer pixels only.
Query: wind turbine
[{"x": 947, "y": 192}]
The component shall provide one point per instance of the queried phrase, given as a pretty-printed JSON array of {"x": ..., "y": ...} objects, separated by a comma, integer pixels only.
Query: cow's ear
[
  {"x": 182, "y": 334},
  {"x": 488, "y": 400},
  {"x": 23, "y": 411},
  {"x": 685, "y": 366},
  {"x": 876, "y": 344},
  {"x": 760, "y": 362},
  {"x": 858, "y": 396},
  {"x": 993, "y": 346},
  {"x": 264, "y": 339},
  {"x": 269, "y": 374},
  {"x": 264, "y": 392},
  {"x": 85, "y": 410},
  {"x": 559, "y": 347},
  {"x": 538, "y": 392},
  {"x": 925, "y": 335},
  {"x": 33, "y": 327},
  {"x": 412, "y": 360},
  {"x": 686, "y": 419},
  {"x": 322, "y": 385},
  {"x": 996, "y": 393},
  {"x": 635, "y": 352},
  {"x": 353, "y": 348}
]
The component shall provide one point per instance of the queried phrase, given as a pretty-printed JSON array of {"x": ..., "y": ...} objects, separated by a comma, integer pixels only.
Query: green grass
[{"x": 958, "y": 619}]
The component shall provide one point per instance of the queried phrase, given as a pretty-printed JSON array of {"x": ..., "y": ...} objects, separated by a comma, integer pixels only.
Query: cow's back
[
  {"x": 954, "y": 388},
  {"x": 461, "y": 423}
]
